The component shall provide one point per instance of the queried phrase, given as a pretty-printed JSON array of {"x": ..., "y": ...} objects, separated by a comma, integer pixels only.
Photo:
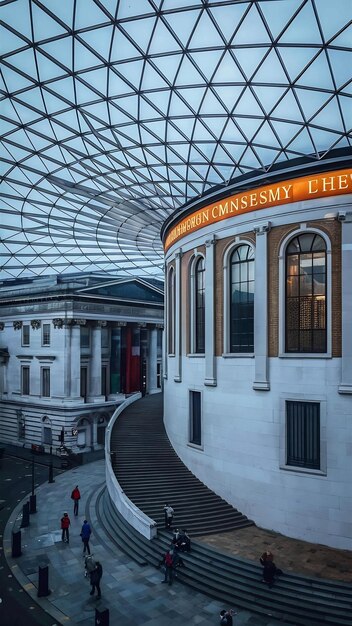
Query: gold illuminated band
[{"x": 294, "y": 190}]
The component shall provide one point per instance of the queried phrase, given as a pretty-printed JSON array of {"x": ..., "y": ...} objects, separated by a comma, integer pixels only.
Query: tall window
[
  {"x": 306, "y": 294},
  {"x": 195, "y": 418},
  {"x": 84, "y": 383},
  {"x": 25, "y": 380},
  {"x": 85, "y": 337},
  {"x": 303, "y": 434},
  {"x": 199, "y": 305},
  {"x": 46, "y": 334},
  {"x": 25, "y": 335},
  {"x": 46, "y": 382},
  {"x": 242, "y": 300},
  {"x": 171, "y": 311}
]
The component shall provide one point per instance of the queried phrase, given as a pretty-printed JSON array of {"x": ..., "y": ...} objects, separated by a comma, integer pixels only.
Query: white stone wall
[{"x": 242, "y": 437}]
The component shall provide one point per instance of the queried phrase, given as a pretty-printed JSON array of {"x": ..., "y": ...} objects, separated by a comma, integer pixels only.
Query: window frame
[
  {"x": 45, "y": 393},
  {"x": 28, "y": 382},
  {"x": 196, "y": 259},
  {"x": 317, "y": 399},
  {"x": 282, "y": 296},
  {"x": 46, "y": 343},
  {"x": 171, "y": 311},
  {"x": 26, "y": 326},
  {"x": 236, "y": 243},
  {"x": 192, "y": 443}
]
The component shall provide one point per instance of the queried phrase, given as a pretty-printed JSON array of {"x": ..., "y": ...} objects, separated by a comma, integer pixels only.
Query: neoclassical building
[
  {"x": 258, "y": 358},
  {"x": 71, "y": 349}
]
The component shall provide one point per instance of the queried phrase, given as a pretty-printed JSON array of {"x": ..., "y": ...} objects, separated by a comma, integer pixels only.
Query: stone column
[
  {"x": 75, "y": 360},
  {"x": 152, "y": 361},
  {"x": 178, "y": 319},
  {"x": 94, "y": 432},
  {"x": 210, "y": 362},
  {"x": 261, "y": 375},
  {"x": 94, "y": 389},
  {"x": 346, "y": 270}
]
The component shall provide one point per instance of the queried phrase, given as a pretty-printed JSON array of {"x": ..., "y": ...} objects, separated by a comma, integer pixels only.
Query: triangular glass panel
[
  {"x": 323, "y": 140},
  {"x": 173, "y": 134},
  {"x": 214, "y": 176},
  {"x": 302, "y": 144},
  {"x": 249, "y": 159},
  {"x": 228, "y": 71},
  {"x": 100, "y": 40},
  {"x": 132, "y": 72},
  {"x": 168, "y": 65},
  {"x": 185, "y": 126},
  {"x": 83, "y": 94},
  {"x": 193, "y": 96},
  {"x": 91, "y": 17},
  {"x": 265, "y": 136},
  {"x": 158, "y": 128},
  {"x": 207, "y": 61},
  {"x": 30, "y": 97},
  {"x": 162, "y": 40},
  {"x": 25, "y": 114},
  {"x": 231, "y": 133},
  {"x": 180, "y": 150},
  {"x": 140, "y": 31},
  {"x": 132, "y": 131},
  {"x": 270, "y": 71},
  {"x": 97, "y": 78},
  {"x": 64, "y": 87},
  {"x": 20, "y": 19},
  {"x": 62, "y": 10},
  {"x": 196, "y": 156},
  {"x": 200, "y": 133},
  {"x": 48, "y": 69},
  {"x": 346, "y": 107},
  {"x": 131, "y": 9},
  {"x": 83, "y": 58},
  {"x": 158, "y": 152},
  {"x": 229, "y": 95},
  {"x": 247, "y": 105},
  {"x": 69, "y": 118},
  {"x": 252, "y": 30},
  {"x": 329, "y": 117},
  {"x": 44, "y": 26},
  {"x": 334, "y": 17},
  {"x": 147, "y": 137},
  {"x": 15, "y": 81},
  {"x": 249, "y": 125},
  {"x": 129, "y": 104},
  {"x": 177, "y": 106},
  {"x": 9, "y": 41},
  {"x": 188, "y": 74},
  {"x": 116, "y": 85},
  {"x": 311, "y": 100},
  {"x": 266, "y": 155},
  {"x": 317, "y": 75},
  {"x": 286, "y": 131},
  {"x": 205, "y": 33},
  {"x": 117, "y": 117},
  {"x": 182, "y": 24},
  {"x": 249, "y": 62},
  {"x": 16, "y": 152},
  {"x": 220, "y": 156},
  {"x": 211, "y": 104},
  {"x": 151, "y": 78},
  {"x": 43, "y": 127},
  {"x": 122, "y": 48},
  {"x": 25, "y": 62},
  {"x": 287, "y": 109},
  {"x": 296, "y": 59},
  {"x": 215, "y": 124},
  {"x": 268, "y": 96},
  {"x": 277, "y": 20},
  {"x": 341, "y": 62},
  {"x": 60, "y": 49},
  {"x": 344, "y": 39},
  {"x": 303, "y": 29},
  {"x": 146, "y": 109},
  {"x": 60, "y": 131},
  {"x": 228, "y": 18}
]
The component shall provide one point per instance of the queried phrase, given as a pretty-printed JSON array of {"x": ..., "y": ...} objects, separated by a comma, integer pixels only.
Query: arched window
[
  {"x": 242, "y": 299},
  {"x": 171, "y": 311},
  {"x": 306, "y": 294},
  {"x": 199, "y": 304}
]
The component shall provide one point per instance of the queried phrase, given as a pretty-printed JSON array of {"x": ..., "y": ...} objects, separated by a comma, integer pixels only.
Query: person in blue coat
[{"x": 85, "y": 534}]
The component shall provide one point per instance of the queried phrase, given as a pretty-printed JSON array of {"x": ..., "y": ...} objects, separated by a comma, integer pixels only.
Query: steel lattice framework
[{"x": 114, "y": 113}]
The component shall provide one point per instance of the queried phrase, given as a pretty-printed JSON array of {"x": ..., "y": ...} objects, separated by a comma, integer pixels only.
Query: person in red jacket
[
  {"x": 75, "y": 496},
  {"x": 65, "y": 525}
]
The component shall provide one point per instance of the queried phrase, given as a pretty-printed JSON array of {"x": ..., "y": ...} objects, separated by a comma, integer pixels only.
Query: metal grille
[
  {"x": 303, "y": 434},
  {"x": 196, "y": 418}
]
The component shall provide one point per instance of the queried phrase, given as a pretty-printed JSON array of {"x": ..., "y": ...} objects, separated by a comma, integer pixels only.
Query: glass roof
[{"x": 114, "y": 113}]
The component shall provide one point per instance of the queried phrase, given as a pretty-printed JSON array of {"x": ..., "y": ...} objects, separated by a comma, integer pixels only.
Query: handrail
[{"x": 129, "y": 511}]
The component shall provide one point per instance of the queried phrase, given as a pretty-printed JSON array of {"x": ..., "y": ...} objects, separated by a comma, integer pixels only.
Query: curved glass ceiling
[{"x": 114, "y": 113}]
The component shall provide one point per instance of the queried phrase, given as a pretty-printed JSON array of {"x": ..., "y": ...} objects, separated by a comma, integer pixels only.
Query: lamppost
[{"x": 33, "y": 498}]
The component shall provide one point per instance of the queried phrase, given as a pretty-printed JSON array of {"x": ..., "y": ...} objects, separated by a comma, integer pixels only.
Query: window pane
[
  {"x": 196, "y": 424},
  {"x": 25, "y": 335},
  {"x": 46, "y": 382},
  {"x": 242, "y": 300},
  {"x": 200, "y": 307},
  {"x": 46, "y": 334}
]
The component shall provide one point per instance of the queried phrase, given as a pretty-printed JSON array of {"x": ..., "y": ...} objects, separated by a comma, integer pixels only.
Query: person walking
[
  {"x": 95, "y": 578},
  {"x": 65, "y": 525},
  {"x": 169, "y": 515},
  {"x": 85, "y": 534},
  {"x": 167, "y": 561},
  {"x": 75, "y": 496}
]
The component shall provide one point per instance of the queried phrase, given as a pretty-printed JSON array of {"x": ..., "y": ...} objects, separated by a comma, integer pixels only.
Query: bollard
[
  {"x": 16, "y": 543},
  {"x": 51, "y": 473},
  {"x": 25, "y": 515},
  {"x": 102, "y": 617},
  {"x": 43, "y": 581},
  {"x": 32, "y": 504}
]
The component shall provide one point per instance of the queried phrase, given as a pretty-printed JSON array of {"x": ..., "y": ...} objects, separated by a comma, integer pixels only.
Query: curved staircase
[{"x": 151, "y": 474}]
